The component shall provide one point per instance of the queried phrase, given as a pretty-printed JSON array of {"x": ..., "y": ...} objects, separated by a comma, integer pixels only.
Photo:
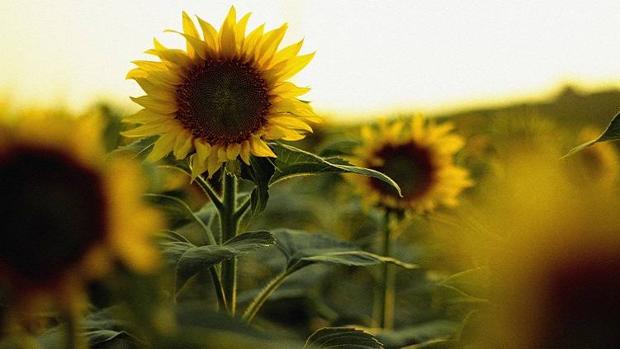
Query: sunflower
[
  {"x": 67, "y": 213},
  {"x": 222, "y": 97},
  {"x": 554, "y": 261},
  {"x": 419, "y": 156}
]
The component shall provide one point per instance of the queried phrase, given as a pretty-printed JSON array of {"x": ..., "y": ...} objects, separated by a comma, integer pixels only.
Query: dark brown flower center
[
  {"x": 409, "y": 165},
  {"x": 223, "y": 101},
  {"x": 583, "y": 304},
  {"x": 52, "y": 210}
]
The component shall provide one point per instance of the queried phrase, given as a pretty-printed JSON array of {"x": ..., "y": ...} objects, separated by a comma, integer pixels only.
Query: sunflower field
[{"x": 224, "y": 211}]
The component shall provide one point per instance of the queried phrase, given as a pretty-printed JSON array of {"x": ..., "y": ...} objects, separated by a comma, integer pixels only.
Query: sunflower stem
[
  {"x": 262, "y": 297},
  {"x": 73, "y": 338},
  {"x": 387, "y": 281},
  {"x": 207, "y": 189},
  {"x": 243, "y": 209},
  {"x": 219, "y": 289},
  {"x": 228, "y": 224}
]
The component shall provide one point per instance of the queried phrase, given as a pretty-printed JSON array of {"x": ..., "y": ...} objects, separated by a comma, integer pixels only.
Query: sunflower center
[
  {"x": 583, "y": 304},
  {"x": 223, "y": 101},
  {"x": 52, "y": 210},
  {"x": 409, "y": 165}
]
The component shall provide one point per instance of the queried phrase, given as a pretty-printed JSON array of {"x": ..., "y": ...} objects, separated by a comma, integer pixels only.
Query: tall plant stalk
[
  {"x": 228, "y": 225},
  {"x": 387, "y": 280}
]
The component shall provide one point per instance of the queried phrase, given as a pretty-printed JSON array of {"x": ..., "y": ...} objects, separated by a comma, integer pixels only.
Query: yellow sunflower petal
[
  {"x": 287, "y": 90},
  {"x": 183, "y": 145},
  {"x": 232, "y": 151},
  {"x": 209, "y": 33},
  {"x": 148, "y": 130},
  {"x": 190, "y": 31},
  {"x": 228, "y": 44},
  {"x": 259, "y": 148},
  {"x": 145, "y": 116},
  {"x": 155, "y": 105},
  {"x": 203, "y": 150},
  {"x": 290, "y": 122},
  {"x": 269, "y": 44},
  {"x": 163, "y": 146},
  {"x": 244, "y": 153},
  {"x": 249, "y": 44},
  {"x": 213, "y": 164}
]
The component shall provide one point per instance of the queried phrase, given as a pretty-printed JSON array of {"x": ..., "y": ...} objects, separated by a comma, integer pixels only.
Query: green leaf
[
  {"x": 419, "y": 333},
  {"x": 260, "y": 172},
  {"x": 342, "y": 337},
  {"x": 292, "y": 162},
  {"x": 611, "y": 133},
  {"x": 302, "y": 249},
  {"x": 195, "y": 259}
]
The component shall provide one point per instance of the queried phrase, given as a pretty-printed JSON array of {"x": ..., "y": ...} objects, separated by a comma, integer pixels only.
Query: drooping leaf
[
  {"x": 198, "y": 258},
  {"x": 611, "y": 133},
  {"x": 292, "y": 162},
  {"x": 260, "y": 172},
  {"x": 342, "y": 337},
  {"x": 302, "y": 249}
]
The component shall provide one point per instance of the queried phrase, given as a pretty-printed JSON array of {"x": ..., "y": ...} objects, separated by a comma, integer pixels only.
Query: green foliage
[
  {"x": 190, "y": 259},
  {"x": 302, "y": 249}
]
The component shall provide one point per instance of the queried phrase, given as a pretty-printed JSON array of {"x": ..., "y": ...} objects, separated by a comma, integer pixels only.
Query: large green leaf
[
  {"x": 611, "y": 133},
  {"x": 302, "y": 249},
  {"x": 342, "y": 337},
  {"x": 292, "y": 162},
  {"x": 198, "y": 258}
]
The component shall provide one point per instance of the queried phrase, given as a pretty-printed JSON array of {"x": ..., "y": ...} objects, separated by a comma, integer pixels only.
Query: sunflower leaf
[
  {"x": 260, "y": 172},
  {"x": 342, "y": 337},
  {"x": 199, "y": 258},
  {"x": 302, "y": 249},
  {"x": 292, "y": 162},
  {"x": 611, "y": 133}
]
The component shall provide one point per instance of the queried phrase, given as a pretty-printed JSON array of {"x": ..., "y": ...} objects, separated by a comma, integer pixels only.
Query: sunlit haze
[{"x": 372, "y": 56}]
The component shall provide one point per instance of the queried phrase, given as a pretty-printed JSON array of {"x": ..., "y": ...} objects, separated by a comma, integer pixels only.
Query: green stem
[
  {"x": 243, "y": 208},
  {"x": 228, "y": 224},
  {"x": 73, "y": 339},
  {"x": 219, "y": 289},
  {"x": 264, "y": 294},
  {"x": 387, "y": 281},
  {"x": 207, "y": 189}
]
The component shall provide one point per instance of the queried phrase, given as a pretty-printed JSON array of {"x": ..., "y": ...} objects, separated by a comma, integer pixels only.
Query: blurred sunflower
[
  {"x": 67, "y": 213},
  {"x": 223, "y": 97},
  {"x": 555, "y": 262},
  {"x": 419, "y": 156}
]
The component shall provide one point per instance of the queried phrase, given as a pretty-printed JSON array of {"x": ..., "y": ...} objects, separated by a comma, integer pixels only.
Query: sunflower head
[
  {"x": 222, "y": 97},
  {"x": 555, "y": 270},
  {"x": 67, "y": 212},
  {"x": 419, "y": 156}
]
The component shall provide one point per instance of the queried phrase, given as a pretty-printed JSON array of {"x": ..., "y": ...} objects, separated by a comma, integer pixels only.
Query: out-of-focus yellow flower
[
  {"x": 67, "y": 212},
  {"x": 223, "y": 97},
  {"x": 419, "y": 156},
  {"x": 553, "y": 251}
]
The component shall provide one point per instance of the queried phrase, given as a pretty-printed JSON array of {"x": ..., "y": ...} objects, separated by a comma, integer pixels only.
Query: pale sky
[{"x": 372, "y": 57}]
